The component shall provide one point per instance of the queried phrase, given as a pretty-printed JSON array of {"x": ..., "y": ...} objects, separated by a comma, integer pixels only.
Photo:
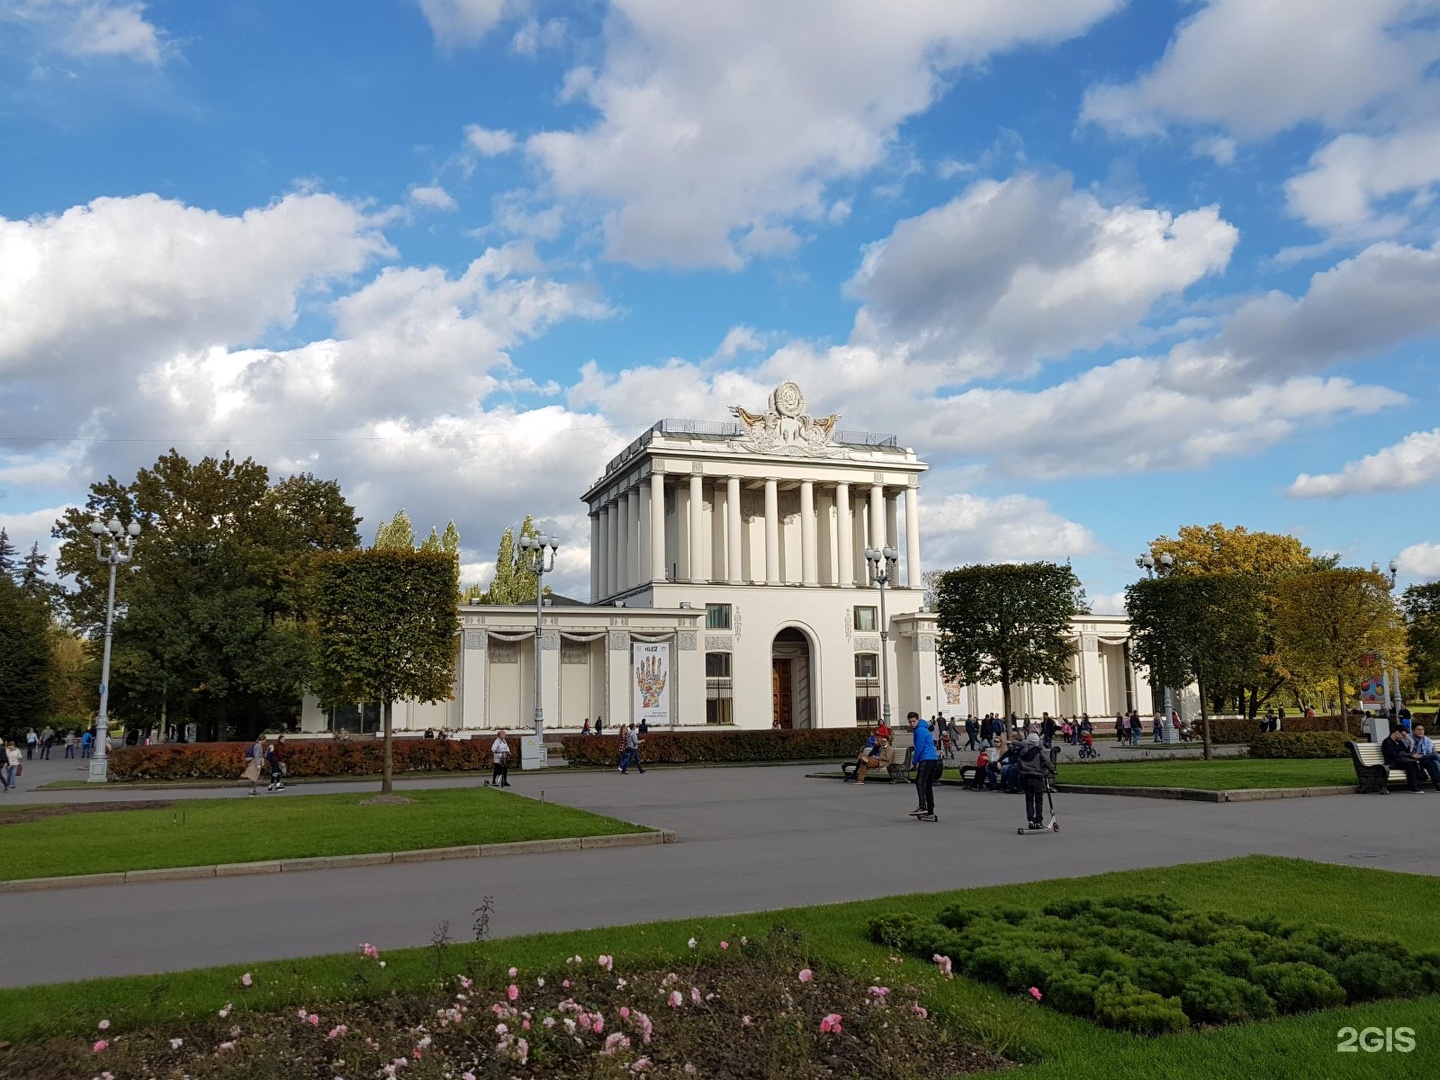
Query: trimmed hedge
[
  {"x": 1143, "y": 965},
  {"x": 304, "y": 757},
  {"x": 1239, "y": 731},
  {"x": 679, "y": 747},
  {"x": 1300, "y": 744}
]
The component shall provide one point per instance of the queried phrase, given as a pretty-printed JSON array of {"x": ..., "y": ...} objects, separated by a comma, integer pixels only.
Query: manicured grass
[
  {"x": 1053, "y": 1046},
  {"x": 204, "y": 832},
  {"x": 1229, "y": 774}
]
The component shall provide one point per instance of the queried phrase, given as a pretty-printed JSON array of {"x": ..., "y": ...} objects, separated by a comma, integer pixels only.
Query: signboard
[{"x": 651, "y": 683}]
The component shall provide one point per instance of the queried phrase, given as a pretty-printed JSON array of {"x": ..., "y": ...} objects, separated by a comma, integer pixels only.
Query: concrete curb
[
  {"x": 1202, "y": 795},
  {"x": 339, "y": 862}
]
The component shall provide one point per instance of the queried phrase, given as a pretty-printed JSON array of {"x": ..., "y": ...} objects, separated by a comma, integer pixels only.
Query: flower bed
[
  {"x": 303, "y": 757},
  {"x": 679, "y": 747},
  {"x": 1141, "y": 964},
  {"x": 759, "y": 1010}
]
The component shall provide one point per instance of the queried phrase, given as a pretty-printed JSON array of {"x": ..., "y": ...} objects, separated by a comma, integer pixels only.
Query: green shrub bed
[
  {"x": 680, "y": 747},
  {"x": 1141, "y": 964},
  {"x": 303, "y": 758},
  {"x": 1300, "y": 744},
  {"x": 1239, "y": 731}
]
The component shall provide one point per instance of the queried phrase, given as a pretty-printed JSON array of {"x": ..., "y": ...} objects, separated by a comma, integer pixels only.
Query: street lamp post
[
  {"x": 538, "y": 557},
  {"x": 1398, "y": 704},
  {"x": 1163, "y": 566},
  {"x": 883, "y": 564},
  {"x": 116, "y": 550}
]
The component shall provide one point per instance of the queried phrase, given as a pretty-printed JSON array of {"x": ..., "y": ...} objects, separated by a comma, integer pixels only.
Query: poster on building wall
[
  {"x": 652, "y": 683},
  {"x": 954, "y": 692}
]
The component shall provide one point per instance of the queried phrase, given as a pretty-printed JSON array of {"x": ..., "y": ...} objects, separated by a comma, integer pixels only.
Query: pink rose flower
[
  {"x": 313, "y": 1020},
  {"x": 724, "y": 945},
  {"x": 514, "y": 972},
  {"x": 831, "y": 1024},
  {"x": 946, "y": 967},
  {"x": 675, "y": 999},
  {"x": 1035, "y": 993},
  {"x": 246, "y": 980},
  {"x": 806, "y": 975},
  {"x": 512, "y": 992},
  {"x": 101, "y": 1045}
]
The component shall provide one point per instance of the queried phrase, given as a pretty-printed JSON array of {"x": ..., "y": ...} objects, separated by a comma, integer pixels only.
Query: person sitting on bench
[
  {"x": 1423, "y": 747},
  {"x": 881, "y": 756},
  {"x": 1396, "y": 751}
]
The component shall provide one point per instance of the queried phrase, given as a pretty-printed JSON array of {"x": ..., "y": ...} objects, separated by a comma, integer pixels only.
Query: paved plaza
[{"x": 751, "y": 839}]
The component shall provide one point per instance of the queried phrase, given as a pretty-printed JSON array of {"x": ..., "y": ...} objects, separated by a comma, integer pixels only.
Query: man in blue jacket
[{"x": 927, "y": 767}]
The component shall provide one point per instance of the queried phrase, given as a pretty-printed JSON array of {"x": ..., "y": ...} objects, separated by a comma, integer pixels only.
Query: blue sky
[{"x": 1110, "y": 268}]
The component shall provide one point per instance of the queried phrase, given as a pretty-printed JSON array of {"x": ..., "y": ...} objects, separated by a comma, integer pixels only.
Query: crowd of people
[{"x": 76, "y": 741}]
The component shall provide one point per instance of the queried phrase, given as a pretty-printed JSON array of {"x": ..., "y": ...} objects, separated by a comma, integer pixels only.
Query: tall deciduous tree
[
  {"x": 387, "y": 629},
  {"x": 210, "y": 619},
  {"x": 513, "y": 584},
  {"x": 1008, "y": 624},
  {"x": 1421, "y": 605},
  {"x": 397, "y": 534},
  {"x": 1263, "y": 557},
  {"x": 1196, "y": 628},
  {"x": 25, "y": 660},
  {"x": 1333, "y": 623}
]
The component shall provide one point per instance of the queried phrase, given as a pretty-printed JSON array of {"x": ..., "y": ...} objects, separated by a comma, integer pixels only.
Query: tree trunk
[
  {"x": 1005, "y": 697},
  {"x": 1204, "y": 723},
  {"x": 388, "y": 769},
  {"x": 1340, "y": 689}
]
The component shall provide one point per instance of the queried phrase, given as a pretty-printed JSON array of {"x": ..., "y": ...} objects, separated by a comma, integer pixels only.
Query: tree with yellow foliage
[
  {"x": 1265, "y": 558},
  {"x": 1332, "y": 624}
]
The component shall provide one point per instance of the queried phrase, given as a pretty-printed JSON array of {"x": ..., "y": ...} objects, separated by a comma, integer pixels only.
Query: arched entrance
[{"x": 792, "y": 680}]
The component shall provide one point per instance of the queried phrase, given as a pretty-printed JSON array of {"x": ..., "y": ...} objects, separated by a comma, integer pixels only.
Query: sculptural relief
[{"x": 785, "y": 427}]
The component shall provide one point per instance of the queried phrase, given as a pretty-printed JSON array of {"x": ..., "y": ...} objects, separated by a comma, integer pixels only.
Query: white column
[
  {"x": 735, "y": 566},
  {"x": 877, "y": 516},
  {"x": 845, "y": 535},
  {"x": 594, "y": 557},
  {"x": 657, "y": 526},
  {"x": 809, "y": 552},
  {"x": 602, "y": 525},
  {"x": 622, "y": 552},
  {"x": 634, "y": 529},
  {"x": 892, "y": 520},
  {"x": 772, "y": 532},
  {"x": 614, "y": 548},
  {"x": 912, "y": 538},
  {"x": 643, "y": 522},
  {"x": 697, "y": 528}
]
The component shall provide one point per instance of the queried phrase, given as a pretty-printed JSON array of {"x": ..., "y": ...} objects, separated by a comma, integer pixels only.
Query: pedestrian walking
[
  {"x": 927, "y": 768},
  {"x": 631, "y": 753},
  {"x": 30, "y": 740},
  {"x": 500, "y": 760},
  {"x": 87, "y": 743},
  {"x": 10, "y": 765},
  {"x": 70, "y": 744},
  {"x": 276, "y": 760},
  {"x": 47, "y": 740},
  {"x": 254, "y": 761}
]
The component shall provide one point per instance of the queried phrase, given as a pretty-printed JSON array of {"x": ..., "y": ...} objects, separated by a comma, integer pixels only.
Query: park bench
[
  {"x": 897, "y": 772},
  {"x": 1371, "y": 773}
]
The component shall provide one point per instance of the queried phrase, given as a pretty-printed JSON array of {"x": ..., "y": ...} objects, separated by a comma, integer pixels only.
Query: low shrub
[
  {"x": 680, "y": 747},
  {"x": 1119, "y": 1003},
  {"x": 304, "y": 758},
  {"x": 1299, "y": 987},
  {"x": 1300, "y": 744},
  {"x": 1143, "y": 965}
]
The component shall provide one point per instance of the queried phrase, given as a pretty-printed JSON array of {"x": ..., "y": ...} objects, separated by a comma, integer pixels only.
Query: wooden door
[{"x": 780, "y": 692}]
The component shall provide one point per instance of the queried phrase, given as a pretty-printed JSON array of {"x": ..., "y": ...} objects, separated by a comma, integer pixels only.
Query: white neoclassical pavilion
[{"x": 728, "y": 585}]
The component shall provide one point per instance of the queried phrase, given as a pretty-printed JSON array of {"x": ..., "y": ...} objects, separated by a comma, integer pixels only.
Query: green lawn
[
  {"x": 204, "y": 832},
  {"x": 1052, "y": 1046},
  {"x": 1227, "y": 774}
]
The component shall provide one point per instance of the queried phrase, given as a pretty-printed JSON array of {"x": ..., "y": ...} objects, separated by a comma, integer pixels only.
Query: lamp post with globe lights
[
  {"x": 1163, "y": 568},
  {"x": 537, "y": 556},
  {"x": 884, "y": 564},
  {"x": 115, "y": 550},
  {"x": 1392, "y": 706}
]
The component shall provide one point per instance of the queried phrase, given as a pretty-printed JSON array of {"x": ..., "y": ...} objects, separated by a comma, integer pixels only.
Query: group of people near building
[{"x": 73, "y": 739}]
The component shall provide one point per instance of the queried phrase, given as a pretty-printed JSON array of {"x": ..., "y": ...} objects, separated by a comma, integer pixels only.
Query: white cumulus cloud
[
  {"x": 961, "y": 528},
  {"x": 90, "y": 27},
  {"x": 462, "y": 22},
  {"x": 1257, "y": 67},
  {"x": 1014, "y": 271},
  {"x": 1353, "y": 180},
  {"x": 488, "y": 142},
  {"x": 1420, "y": 560},
  {"x": 717, "y": 122},
  {"x": 1412, "y": 462}
]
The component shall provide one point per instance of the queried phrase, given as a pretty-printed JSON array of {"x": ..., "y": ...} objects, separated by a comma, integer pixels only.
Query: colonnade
[{"x": 629, "y": 541}]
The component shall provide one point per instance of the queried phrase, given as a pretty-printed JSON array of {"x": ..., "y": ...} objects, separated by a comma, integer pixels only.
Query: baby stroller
[{"x": 1087, "y": 746}]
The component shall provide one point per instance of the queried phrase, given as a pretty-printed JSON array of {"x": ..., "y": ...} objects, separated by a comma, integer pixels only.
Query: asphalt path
[{"x": 751, "y": 839}]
